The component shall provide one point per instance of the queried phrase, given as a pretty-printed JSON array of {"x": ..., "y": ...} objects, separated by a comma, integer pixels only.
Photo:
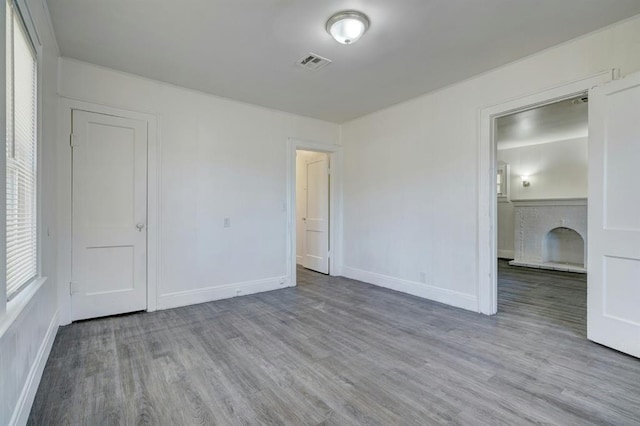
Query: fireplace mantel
[{"x": 550, "y": 202}]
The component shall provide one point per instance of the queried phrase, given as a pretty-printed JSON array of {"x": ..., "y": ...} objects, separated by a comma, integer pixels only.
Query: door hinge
[
  {"x": 74, "y": 287},
  {"x": 73, "y": 140}
]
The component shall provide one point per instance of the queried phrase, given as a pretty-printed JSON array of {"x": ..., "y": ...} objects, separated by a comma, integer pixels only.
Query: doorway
[
  {"x": 612, "y": 315},
  {"x": 542, "y": 190},
  {"x": 488, "y": 171},
  {"x": 325, "y": 158},
  {"x": 542, "y": 185}
]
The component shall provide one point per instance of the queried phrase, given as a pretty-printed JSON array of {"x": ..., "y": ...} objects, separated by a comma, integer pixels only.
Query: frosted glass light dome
[{"x": 347, "y": 27}]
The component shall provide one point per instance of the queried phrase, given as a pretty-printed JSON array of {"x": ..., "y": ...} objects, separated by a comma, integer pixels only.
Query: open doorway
[
  {"x": 315, "y": 160},
  {"x": 487, "y": 173},
  {"x": 542, "y": 174},
  {"x": 542, "y": 188},
  {"x": 613, "y": 271}
]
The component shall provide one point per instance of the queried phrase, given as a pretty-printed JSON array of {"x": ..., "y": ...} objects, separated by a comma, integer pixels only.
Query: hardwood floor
[{"x": 338, "y": 351}]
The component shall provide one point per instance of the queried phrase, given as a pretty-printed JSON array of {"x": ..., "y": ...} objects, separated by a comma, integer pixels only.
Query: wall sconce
[{"x": 525, "y": 181}]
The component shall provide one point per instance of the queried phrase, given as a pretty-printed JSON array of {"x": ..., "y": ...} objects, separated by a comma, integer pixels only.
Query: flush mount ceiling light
[{"x": 347, "y": 27}]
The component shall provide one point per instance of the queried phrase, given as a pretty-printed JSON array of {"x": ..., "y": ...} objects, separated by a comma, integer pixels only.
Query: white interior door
[
  {"x": 613, "y": 317},
  {"x": 109, "y": 233},
  {"x": 316, "y": 221}
]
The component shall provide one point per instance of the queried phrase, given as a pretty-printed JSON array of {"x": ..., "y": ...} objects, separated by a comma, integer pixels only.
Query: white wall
[
  {"x": 28, "y": 326},
  {"x": 555, "y": 170},
  {"x": 219, "y": 158},
  {"x": 410, "y": 171}
]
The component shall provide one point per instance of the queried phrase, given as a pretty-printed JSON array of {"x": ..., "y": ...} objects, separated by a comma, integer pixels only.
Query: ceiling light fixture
[{"x": 347, "y": 27}]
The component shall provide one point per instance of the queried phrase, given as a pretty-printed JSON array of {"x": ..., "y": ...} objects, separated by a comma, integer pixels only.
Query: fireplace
[{"x": 551, "y": 234}]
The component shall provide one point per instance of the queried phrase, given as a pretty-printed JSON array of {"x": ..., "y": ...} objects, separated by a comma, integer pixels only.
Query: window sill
[{"x": 18, "y": 303}]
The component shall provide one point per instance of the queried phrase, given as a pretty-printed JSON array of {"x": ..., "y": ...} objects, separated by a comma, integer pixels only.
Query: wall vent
[{"x": 313, "y": 62}]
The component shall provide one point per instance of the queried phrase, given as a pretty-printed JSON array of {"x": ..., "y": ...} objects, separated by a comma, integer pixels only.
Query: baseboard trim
[
  {"x": 225, "y": 291},
  {"x": 448, "y": 297},
  {"x": 506, "y": 254},
  {"x": 28, "y": 394}
]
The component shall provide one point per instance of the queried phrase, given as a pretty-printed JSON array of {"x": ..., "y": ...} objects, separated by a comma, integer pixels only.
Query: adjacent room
[
  {"x": 541, "y": 181},
  {"x": 303, "y": 213}
]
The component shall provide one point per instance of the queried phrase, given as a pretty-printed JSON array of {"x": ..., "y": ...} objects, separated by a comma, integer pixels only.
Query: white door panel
[
  {"x": 316, "y": 256},
  {"x": 613, "y": 317},
  {"x": 109, "y": 215}
]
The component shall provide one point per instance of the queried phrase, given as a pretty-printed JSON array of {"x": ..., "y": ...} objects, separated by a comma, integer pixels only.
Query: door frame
[
  {"x": 487, "y": 250},
  {"x": 64, "y": 198},
  {"x": 335, "y": 204}
]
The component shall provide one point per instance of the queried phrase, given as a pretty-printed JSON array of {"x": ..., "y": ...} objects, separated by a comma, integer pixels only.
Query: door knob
[{"x": 140, "y": 227}]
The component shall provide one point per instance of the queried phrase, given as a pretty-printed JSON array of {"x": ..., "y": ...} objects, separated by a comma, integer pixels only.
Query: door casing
[
  {"x": 64, "y": 198},
  {"x": 487, "y": 249},
  {"x": 335, "y": 204}
]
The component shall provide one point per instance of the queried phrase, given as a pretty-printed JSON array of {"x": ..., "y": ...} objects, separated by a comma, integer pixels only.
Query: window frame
[
  {"x": 503, "y": 172},
  {"x": 21, "y": 11}
]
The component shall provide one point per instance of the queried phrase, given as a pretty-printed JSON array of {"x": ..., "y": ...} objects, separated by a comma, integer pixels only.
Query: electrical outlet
[
  {"x": 423, "y": 277},
  {"x": 238, "y": 292},
  {"x": 227, "y": 222},
  {"x": 283, "y": 281}
]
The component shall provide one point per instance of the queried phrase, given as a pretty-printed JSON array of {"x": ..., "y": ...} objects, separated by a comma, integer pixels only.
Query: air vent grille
[{"x": 313, "y": 62}]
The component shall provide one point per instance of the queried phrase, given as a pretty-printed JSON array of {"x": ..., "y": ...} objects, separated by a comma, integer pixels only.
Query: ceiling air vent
[{"x": 313, "y": 62}]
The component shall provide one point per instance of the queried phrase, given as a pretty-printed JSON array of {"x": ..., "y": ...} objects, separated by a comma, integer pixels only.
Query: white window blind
[{"x": 21, "y": 137}]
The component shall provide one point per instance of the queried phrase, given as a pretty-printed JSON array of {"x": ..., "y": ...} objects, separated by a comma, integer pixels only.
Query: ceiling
[
  {"x": 559, "y": 121},
  {"x": 247, "y": 49}
]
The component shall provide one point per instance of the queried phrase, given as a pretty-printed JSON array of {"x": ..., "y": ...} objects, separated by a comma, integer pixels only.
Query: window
[
  {"x": 502, "y": 180},
  {"x": 21, "y": 138}
]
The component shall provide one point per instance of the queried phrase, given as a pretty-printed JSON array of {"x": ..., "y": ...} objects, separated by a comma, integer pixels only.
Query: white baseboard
[
  {"x": 300, "y": 260},
  {"x": 28, "y": 394},
  {"x": 506, "y": 254},
  {"x": 449, "y": 297},
  {"x": 225, "y": 291}
]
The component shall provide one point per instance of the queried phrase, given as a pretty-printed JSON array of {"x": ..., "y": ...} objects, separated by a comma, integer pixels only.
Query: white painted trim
[
  {"x": 3, "y": 163},
  {"x": 225, "y": 291},
  {"x": 28, "y": 394},
  {"x": 487, "y": 285},
  {"x": 66, "y": 105},
  {"x": 437, "y": 294},
  {"x": 19, "y": 303},
  {"x": 53, "y": 38},
  {"x": 335, "y": 204}
]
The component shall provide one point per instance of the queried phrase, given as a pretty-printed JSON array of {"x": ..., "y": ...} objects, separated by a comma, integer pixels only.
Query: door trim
[
  {"x": 64, "y": 207},
  {"x": 335, "y": 204},
  {"x": 487, "y": 219}
]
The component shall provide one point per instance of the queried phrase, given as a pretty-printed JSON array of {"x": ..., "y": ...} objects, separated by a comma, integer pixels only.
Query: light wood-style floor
[{"x": 337, "y": 351}]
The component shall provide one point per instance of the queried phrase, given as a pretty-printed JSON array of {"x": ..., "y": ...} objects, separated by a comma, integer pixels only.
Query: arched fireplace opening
[{"x": 565, "y": 246}]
